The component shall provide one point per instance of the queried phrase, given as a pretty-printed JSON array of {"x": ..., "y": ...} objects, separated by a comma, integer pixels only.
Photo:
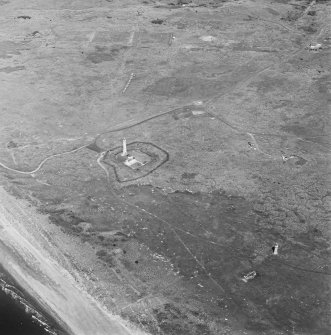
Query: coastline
[
  {"x": 41, "y": 275},
  {"x": 10, "y": 287}
]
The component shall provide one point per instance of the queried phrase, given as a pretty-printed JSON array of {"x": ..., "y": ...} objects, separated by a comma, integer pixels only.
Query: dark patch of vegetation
[
  {"x": 101, "y": 253},
  {"x": 157, "y": 21},
  {"x": 105, "y": 257},
  {"x": 291, "y": 16},
  {"x": 309, "y": 29},
  {"x": 183, "y": 2},
  {"x": 188, "y": 175},
  {"x": 65, "y": 218},
  {"x": 12, "y": 144},
  {"x": 24, "y": 17}
]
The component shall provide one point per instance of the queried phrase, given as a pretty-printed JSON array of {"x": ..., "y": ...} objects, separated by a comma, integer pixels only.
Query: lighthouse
[{"x": 124, "y": 152}]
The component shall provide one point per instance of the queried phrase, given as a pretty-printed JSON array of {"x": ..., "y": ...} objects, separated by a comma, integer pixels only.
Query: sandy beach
[{"x": 43, "y": 277}]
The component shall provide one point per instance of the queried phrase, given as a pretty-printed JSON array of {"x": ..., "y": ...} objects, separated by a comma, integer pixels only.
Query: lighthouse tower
[{"x": 124, "y": 151}]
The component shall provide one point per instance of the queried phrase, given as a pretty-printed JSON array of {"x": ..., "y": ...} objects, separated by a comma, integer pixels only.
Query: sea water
[{"x": 18, "y": 315}]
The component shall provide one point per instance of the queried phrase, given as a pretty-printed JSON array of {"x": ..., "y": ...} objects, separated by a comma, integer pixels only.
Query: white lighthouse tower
[{"x": 124, "y": 152}]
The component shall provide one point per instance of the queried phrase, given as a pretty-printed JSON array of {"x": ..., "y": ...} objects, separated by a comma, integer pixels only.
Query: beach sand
[{"x": 24, "y": 256}]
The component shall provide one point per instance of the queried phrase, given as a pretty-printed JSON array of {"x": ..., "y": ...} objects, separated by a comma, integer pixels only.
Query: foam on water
[{"x": 18, "y": 316}]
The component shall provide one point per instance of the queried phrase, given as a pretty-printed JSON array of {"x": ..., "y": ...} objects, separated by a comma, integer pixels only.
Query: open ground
[{"x": 228, "y": 104}]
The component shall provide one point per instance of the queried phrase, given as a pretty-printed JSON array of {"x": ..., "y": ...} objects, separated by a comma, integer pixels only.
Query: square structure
[{"x": 135, "y": 159}]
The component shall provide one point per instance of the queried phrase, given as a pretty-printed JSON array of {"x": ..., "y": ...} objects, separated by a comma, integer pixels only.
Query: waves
[{"x": 17, "y": 306}]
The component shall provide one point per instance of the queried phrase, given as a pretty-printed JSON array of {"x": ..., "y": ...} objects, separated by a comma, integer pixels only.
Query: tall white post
[{"x": 124, "y": 152}]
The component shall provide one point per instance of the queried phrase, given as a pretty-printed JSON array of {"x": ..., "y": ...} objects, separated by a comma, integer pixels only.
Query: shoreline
[
  {"x": 11, "y": 288},
  {"x": 54, "y": 288}
]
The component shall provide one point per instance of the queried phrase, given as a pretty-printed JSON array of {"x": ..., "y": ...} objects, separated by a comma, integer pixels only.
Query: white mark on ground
[
  {"x": 132, "y": 75},
  {"x": 130, "y": 42},
  {"x": 208, "y": 38},
  {"x": 257, "y": 146}
]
